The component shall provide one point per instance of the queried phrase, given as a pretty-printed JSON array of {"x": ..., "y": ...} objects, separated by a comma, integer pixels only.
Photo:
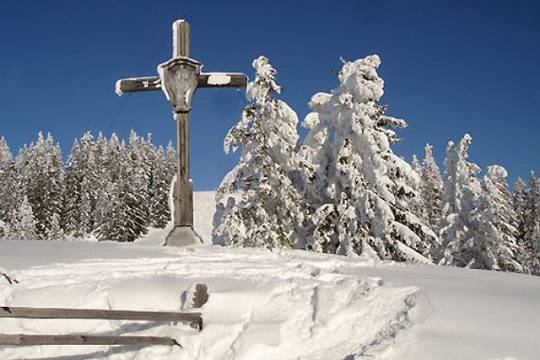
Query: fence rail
[
  {"x": 192, "y": 318},
  {"x": 23, "y": 339}
]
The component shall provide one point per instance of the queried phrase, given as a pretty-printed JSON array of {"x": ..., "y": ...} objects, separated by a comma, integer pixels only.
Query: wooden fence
[{"x": 193, "y": 319}]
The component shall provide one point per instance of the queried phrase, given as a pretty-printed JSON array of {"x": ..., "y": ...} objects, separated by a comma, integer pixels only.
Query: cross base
[{"x": 182, "y": 236}]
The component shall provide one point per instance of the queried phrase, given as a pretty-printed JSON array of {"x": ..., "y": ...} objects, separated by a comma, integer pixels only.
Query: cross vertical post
[
  {"x": 182, "y": 232},
  {"x": 183, "y": 194},
  {"x": 179, "y": 77}
]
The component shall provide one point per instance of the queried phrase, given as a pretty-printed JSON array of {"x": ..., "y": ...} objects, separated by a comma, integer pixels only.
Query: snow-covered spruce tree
[
  {"x": 71, "y": 214},
  {"x": 359, "y": 191},
  {"x": 55, "y": 232},
  {"x": 519, "y": 200},
  {"x": 9, "y": 188},
  {"x": 535, "y": 247},
  {"x": 139, "y": 165},
  {"x": 111, "y": 214},
  {"x": 84, "y": 180},
  {"x": 161, "y": 182},
  {"x": 257, "y": 202},
  {"x": 461, "y": 190},
  {"x": 431, "y": 189},
  {"x": 91, "y": 181},
  {"x": 24, "y": 226},
  {"x": 494, "y": 245},
  {"x": 531, "y": 218},
  {"x": 41, "y": 172},
  {"x": 415, "y": 202},
  {"x": 416, "y": 166},
  {"x": 532, "y": 206},
  {"x": 171, "y": 160}
]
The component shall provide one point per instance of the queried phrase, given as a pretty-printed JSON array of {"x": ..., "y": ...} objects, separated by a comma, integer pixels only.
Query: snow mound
[{"x": 271, "y": 305}]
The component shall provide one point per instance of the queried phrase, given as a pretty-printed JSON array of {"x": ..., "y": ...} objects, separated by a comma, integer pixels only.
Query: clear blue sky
[{"x": 450, "y": 67}]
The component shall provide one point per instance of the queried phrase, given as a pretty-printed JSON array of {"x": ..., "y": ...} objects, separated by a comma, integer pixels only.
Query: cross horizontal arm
[{"x": 150, "y": 83}]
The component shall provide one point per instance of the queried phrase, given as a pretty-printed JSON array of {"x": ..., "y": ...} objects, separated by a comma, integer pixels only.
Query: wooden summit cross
[{"x": 179, "y": 78}]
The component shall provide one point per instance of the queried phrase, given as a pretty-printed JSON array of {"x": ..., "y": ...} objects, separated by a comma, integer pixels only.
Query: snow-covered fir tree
[
  {"x": 431, "y": 189},
  {"x": 71, "y": 215},
  {"x": 535, "y": 247},
  {"x": 532, "y": 206},
  {"x": 91, "y": 181},
  {"x": 416, "y": 166},
  {"x": 415, "y": 202},
  {"x": 494, "y": 244},
  {"x": 161, "y": 182},
  {"x": 171, "y": 159},
  {"x": 258, "y": 204},
  {"x": 24, "y": 225},
  {"x": 519, "y": 200},
  {"x": 10, "y": 191},
  {"x": 461, "y": 189},
  {"x": 359, "y": 191},
  {"x": 41, "y": 172},
  {"x": 84, "y": 180},
  {"x": 531, "y": 219},
  {"x": 55, "y": 232},
  {"x": 139, "y": 155},
  {"x": 111, "y": 214}
]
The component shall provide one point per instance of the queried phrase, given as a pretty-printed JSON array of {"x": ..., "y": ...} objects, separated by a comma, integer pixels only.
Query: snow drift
[{"x": 272, "y": 305}]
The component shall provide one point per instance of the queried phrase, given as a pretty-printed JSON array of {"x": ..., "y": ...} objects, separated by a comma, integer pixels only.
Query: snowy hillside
[{"x": 269, "y": 305}]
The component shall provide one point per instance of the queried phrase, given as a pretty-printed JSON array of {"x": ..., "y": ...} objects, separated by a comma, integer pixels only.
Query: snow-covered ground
[{"x": 269, "y": 305}]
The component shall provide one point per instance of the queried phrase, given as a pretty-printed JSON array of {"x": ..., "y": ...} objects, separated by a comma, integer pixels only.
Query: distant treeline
[{"x": 107, "y": 189}]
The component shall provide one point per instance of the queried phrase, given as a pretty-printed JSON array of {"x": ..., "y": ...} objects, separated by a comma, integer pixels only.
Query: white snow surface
[
  {"x": 268, "y": 304},
  {"x": 217, "y": 78}
]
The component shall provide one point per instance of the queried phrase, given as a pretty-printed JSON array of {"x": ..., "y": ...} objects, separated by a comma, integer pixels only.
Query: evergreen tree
[
  {"x": 432, "y": 189},
  {"x": 535, "y": 245},
  {"x": 84, "y": 180},
  {"x": 40, "y": 168},
  {"x": 90, "y": 183},
  {"x": 461, "y": 190},
  {"x": 359, "y": 191},
  {"x": 24, "y": 226},
  {"x": 415, "y": 202},
  {"x": 71, "y": 215},
  {"x": 112, "y": 222},
  {"x": 171, "y": 160},
  {"x": 262, "y": 207},
  {"x": 494, "y": 246},
  {"x": 137, "y": 185},
  {"x": 9, "y": 188},
  {"x": 55, "y": 232},
  {"x": 531, "y": 218},
  {"x": 519, "y": 199},
  {"x": 416, "y": 166},
  {"x": 532, "y": 206},
  {"x": 161, "y": 183}
]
